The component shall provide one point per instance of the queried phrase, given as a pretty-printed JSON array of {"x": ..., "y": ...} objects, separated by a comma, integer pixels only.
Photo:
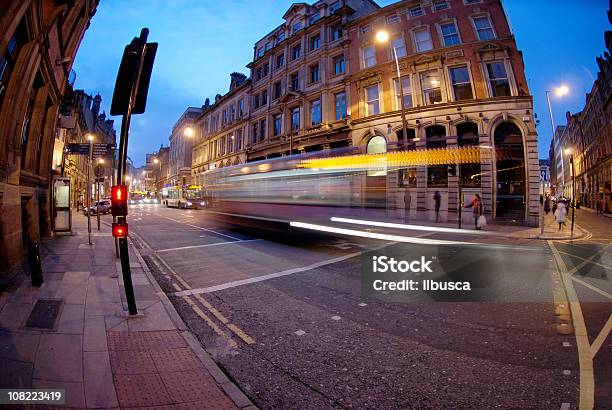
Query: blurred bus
[{"x": 192, "y": 196}]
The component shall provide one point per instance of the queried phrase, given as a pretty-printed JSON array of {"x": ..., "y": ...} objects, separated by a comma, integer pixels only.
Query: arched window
[
  {"x": 511, "y": 182},
  {"x": 403, "y": 143},
  {"x": 377, "y": 145},
  {"x": 467, "y": 135},
  {"x": 437, "y": 175}
]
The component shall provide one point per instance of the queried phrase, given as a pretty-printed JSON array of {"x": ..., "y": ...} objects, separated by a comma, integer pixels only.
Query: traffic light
[
  {"x": 452, "y": 170},
  {"x": 119, "y": 198},
  {"x": 120, "y": 229}
]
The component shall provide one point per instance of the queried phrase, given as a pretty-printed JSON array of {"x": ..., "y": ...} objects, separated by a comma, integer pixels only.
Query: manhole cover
[{"x": 44, "y": 314}]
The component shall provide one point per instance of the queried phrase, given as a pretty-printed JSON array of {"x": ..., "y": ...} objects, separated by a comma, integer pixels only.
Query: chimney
[
  {"x": 236, "y": 80},
  {"x": 95, "y": 108}
]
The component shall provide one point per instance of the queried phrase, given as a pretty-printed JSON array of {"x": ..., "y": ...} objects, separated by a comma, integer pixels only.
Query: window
[
  {"x": 277, "y": 90},
  {"x": 422, "y": 40},
  {"x": 437, "y": 175},
  {"x": 280, "y": 60},
  {"x": 393, "y": 19},
  {"x": 471, "y": 1},
  {"x": 297, "y": 27},
  {"x": 369, "y": 57},
  {"x": 372, "y": 100},
  {"x": 260, "y": 52},
  {"x": 366, "y": 29},
  {"x": 232, "y": 113},
  {"x": 336, "y": 33},
  {"x": 315, "y": 42},
  {"x": 315, "y": 112},
  {"x": 295, "y": 82},
  {"x": 268, "y": 46},
  {"x": 416, "y": 11},
  {"x": 230, "y": 143},
  {"x": 339, "y": 64},
  {"x": 399, "y": 46},
  {"x": 295, "y": 119},
  {"x": 467, "y": 135},
  {"x": 280, "y": 38},
  {"x": 340, "y": 106},
  {"x": 296, "y": 52},
  {"x": 240, "y": 108},
  {"x": 262, "y": 130},
  {"x": 440, "y": 5},
  {"x": 498, "y": 79},
  {"x": 278, "y": 124},
  {"x": 254, "y": 134},
  {"x": 314, "y": 73},
  {"x": 483, "y": 28},
  {"x": 315, "y": 17},
  {"x": 238, "y": 140},
  {"x": 430, "y": 83},
  {"x": 460, "y": 82},
  {"x": 264, "y": 97},
  {"x": 265, "y": 70},
  {"x": 334, "y": 7},
  {"x": 407, "y": 89},
  {"x": 450, "y": 36}
]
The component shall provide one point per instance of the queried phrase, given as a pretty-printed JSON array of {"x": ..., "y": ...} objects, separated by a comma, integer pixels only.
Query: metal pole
[
  {"x": 460, "y": 194},
  {"x": 542, "y": 207},
  {"x": 89, "y": 194},
  {"x": 573, "y": 192},
  {"x": 554, "y": 135},
  {"x": 98, "y": 198},
  {"x": 401, "y": 87},
  {"x": 123, "y": 144}
]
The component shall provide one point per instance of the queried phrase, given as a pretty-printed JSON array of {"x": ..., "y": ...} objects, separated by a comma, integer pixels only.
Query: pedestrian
[
  {"x": 554, "y": 207},
  {"x": 547, "y": 204},
  {"x": 602, "y": 205},
  {"x": 560, "y": 214},
  {"x": 437, "y": 199},
  {"x": 476, "y": 206},
  {"x": 407, "y": 200}
]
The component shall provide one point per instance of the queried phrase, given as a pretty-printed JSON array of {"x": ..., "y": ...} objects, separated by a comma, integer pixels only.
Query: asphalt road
[{"x": 286, "y": 316}]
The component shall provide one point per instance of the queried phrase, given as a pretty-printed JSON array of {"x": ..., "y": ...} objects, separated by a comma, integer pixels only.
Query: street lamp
[
  {"x": 188, "y": 132},
  {"x": 158, "y": 183},
  {"x": 90, "y": 138},
  {"x": 570, "y": 154},
  {"x": 560, "y": 92}
]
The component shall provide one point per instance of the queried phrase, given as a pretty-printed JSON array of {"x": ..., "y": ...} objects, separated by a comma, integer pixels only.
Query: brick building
[
  {"x": 181, "y": 148},
  {"x": 588, "y": 134},
  {"x": 320, "y": 80},
  {"x": 38, "y": 42}
]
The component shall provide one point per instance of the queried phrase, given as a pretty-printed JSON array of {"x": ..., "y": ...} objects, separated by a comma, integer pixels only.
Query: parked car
[{"x": 103, "y": 207}]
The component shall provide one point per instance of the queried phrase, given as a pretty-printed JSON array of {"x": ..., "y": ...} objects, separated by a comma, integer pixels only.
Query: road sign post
[{"x": 129, "y": 98}]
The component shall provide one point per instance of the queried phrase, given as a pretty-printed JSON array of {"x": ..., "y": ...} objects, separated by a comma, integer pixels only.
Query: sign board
[
  {"x": 78, "y": 149},
  {"x": 544, "y": 176},
  {"x": 103, "y": 150}
]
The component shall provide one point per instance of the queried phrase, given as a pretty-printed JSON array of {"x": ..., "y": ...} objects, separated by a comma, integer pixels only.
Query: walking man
[{"x": 437, "y": 198}]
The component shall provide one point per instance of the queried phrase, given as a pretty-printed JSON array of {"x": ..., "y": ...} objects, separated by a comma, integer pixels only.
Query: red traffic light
[
  {"x": 119, "y": 198},
  {"x": 120, "y": 229}
]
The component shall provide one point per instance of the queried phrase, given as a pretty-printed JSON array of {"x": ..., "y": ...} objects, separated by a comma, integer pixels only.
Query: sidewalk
[
  {"x": 551, "y": 230},
  {"x": 82, "y": 341}
]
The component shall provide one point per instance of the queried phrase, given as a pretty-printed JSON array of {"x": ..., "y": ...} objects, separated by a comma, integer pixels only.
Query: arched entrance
[
  {"x": 511, "y": 197},
  {"x": 376, "y": 179}
]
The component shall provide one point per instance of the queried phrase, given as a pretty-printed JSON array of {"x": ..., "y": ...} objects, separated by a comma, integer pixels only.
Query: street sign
[
  {"x": 103, "y": 150},
  {"x": 78, "y": 149}
]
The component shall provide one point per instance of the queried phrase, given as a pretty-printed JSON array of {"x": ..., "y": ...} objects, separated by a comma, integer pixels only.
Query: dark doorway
[{"x": 511, "y": 186}]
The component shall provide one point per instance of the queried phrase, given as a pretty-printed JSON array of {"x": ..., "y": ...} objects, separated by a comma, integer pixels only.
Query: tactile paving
[
  {"x": 145, "y": 340},
  {"x": 131, "y": 362},
  {"x": 190, "y": 386},
  {"x": 141, "y": 390},
  {"x": 175, "y": 360}
]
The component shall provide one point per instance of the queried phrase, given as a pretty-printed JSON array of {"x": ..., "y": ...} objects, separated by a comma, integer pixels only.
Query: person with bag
[
  {"x": 477, "y": 209},
  {"x": 560, "y": 213}
]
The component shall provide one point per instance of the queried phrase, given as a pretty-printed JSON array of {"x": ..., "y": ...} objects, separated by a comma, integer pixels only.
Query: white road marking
[
  {"x": 207, "y": 245},
  {"x": 262, "y": 278},
  {"x": 300, "y": 332},
  {"x": 416, "y": 227},
  {"x": 593, "y": 288},
  {"x": 335, "y": 318},
  {"x": 215, "y": 232},
  {"x": 362, "y": 304}
]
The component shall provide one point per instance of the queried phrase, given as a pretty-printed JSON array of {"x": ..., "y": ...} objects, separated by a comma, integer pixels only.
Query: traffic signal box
[
  {"x": 120, "y": 229},
  {"x": 119, "y": 198}
]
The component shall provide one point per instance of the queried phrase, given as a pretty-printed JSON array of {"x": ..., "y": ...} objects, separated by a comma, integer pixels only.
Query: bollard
[{"x": 34, "y": 261}]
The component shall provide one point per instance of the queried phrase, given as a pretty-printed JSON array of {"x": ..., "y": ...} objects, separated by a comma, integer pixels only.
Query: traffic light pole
[
  {"x": 123, "y": 144},
  {"x": 460, "y": 194}
]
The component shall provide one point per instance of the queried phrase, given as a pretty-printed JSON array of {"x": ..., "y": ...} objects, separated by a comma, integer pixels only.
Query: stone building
[
  {"x": 321, "y": 80},
  {"x": 588, "y": 135},
  {"x": 39, "y": 40},
  {"x": 181, "y": 148}
]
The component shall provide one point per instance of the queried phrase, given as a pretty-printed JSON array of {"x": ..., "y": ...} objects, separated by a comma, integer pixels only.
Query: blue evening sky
[{"x": 202, "y": 41}]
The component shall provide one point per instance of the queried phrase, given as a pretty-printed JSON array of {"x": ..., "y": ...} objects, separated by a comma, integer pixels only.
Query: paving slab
[
  {"x": 94, "y": 334},
  {"x": 17, "y": 345},
  {"x": 98, "y": 380},
  {"x": 71, "y": 320},
  {"x": 59, "y": 357},
  {"x": 75, "y": 396}
]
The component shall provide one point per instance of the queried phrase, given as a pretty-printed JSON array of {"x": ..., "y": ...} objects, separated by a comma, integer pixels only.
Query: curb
[{"x": 233, "y": 392}]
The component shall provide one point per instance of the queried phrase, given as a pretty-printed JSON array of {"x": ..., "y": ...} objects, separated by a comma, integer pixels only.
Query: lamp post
[
  {"x": 560, "y": 92},
  {"x": 158, "y": 183},
  {"x": 97, "y": 173},
  {"x": 569, "y": 153},
  {"x": 90, "y": 138},
  {"x": 383, "y": 37}
]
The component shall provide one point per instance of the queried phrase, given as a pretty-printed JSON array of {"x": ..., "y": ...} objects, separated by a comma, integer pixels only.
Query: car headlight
[
  {"x": 189, "y": 204},
  {"x": 202, "y": 203}
]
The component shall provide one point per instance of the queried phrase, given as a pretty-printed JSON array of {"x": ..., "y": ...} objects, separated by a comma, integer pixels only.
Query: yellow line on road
[
  {"x": 601, "y": 337},
  {"x": 589, "y": 259},
  {"x": 210, "y": 322},
  {"x": 585, "y": 358}
]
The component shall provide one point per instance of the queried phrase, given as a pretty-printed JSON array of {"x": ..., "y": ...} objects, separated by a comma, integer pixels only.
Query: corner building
[{"x": 320, "y": 80}]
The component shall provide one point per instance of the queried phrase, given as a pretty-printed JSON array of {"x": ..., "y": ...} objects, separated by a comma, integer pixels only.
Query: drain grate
[{"x": 44, "y": 314}]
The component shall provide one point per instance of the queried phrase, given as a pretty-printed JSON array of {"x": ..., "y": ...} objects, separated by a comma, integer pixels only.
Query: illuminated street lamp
[
  {"x": 90, "y": 138},
  {"x": 560, "y": 92},
  {"x": 188, "y": 132}
]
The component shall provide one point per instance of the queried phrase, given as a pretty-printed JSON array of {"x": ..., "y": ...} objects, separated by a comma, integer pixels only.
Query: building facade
[
  {"x": 322, "y": 81},
  {"x": 588, "y": 139},
  {"x": 38, "y": 43},
  {"x": 181, "y": 148}
]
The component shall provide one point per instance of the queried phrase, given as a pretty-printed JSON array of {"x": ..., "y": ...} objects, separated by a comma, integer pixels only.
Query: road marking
[
  {"x": 589, "y": 260},
  {"x": 362, "y": 304},
  {"x": 417, "y": 227},
  {"x": 593, "y": 288},
  {"x": 585, "y": 357},
  {"x": 207, "y": 245},
  {"x": 601, "y": 337},
  {"x": 210, "y": 322},
  {"x": 300, "y": 332},
  {"x": 586, "y": 261},
  {"x": 274, "y": 275},
  {"x": 335, "y": 318},
  {"x": 215, "y": 232}
]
